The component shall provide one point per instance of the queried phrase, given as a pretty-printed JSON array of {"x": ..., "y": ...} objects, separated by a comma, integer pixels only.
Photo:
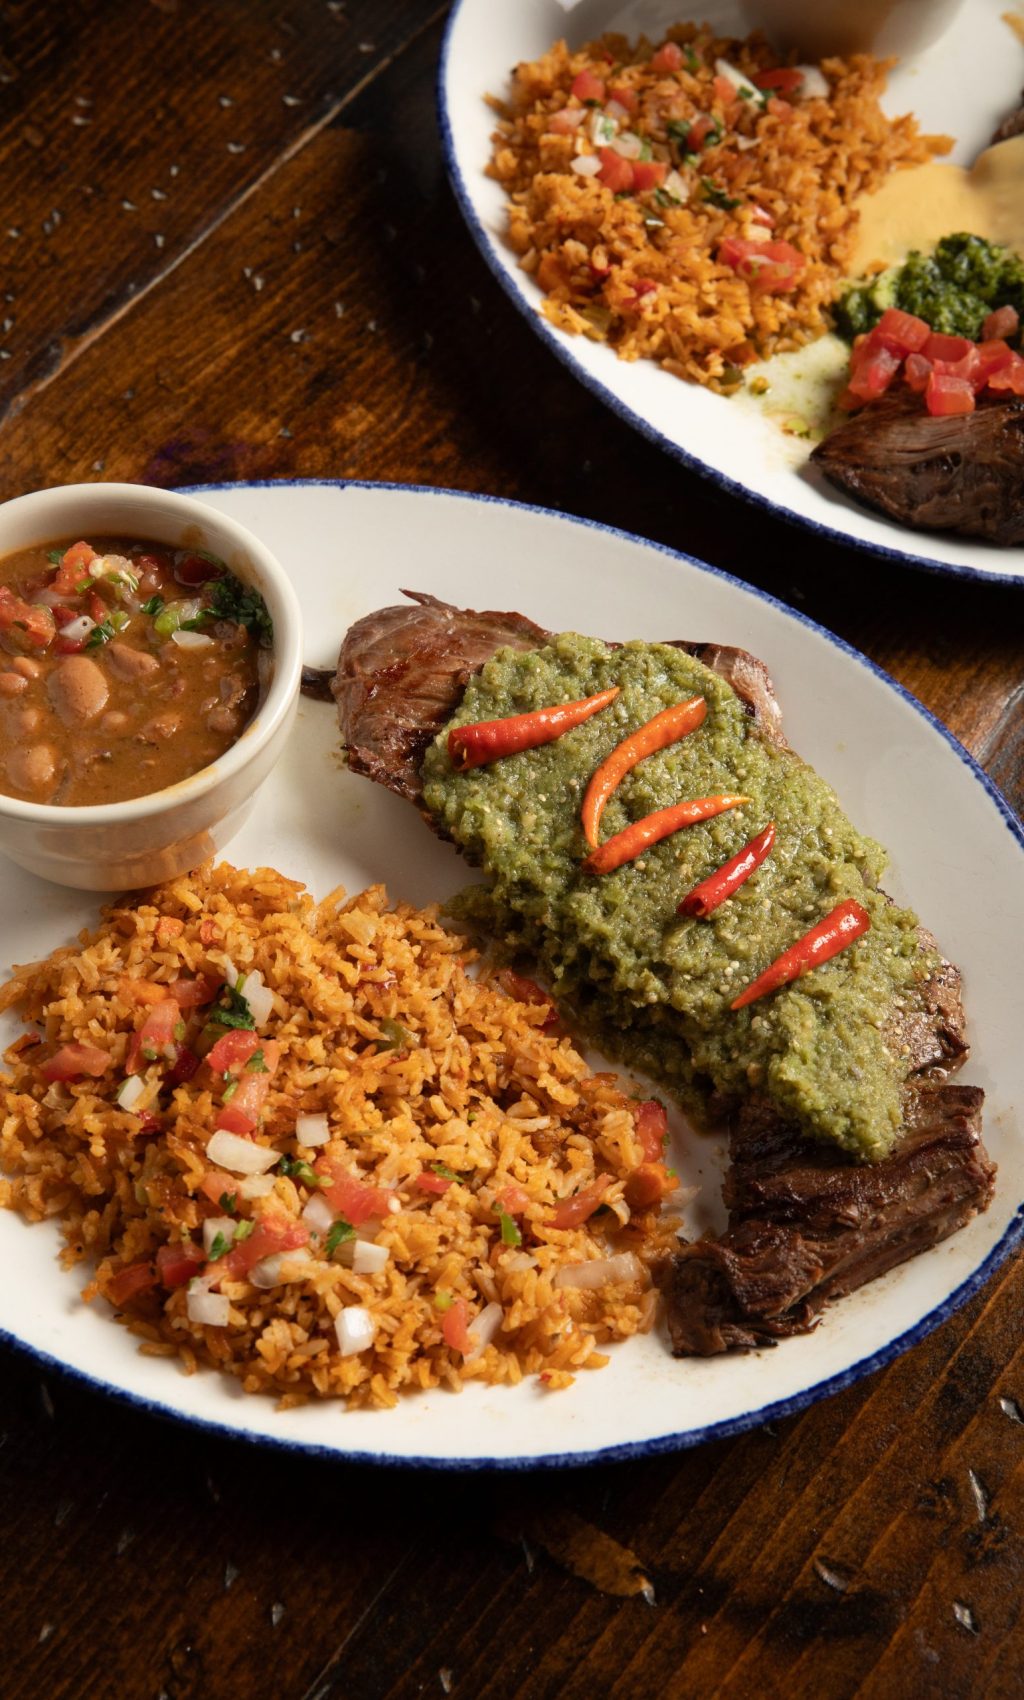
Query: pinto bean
[
  {"x": 28, "y": 668},
  {"x": 131, "y": 663},
  {"x": 164, "y": 726},
  {"x": 223, "y": 719},
  {"x": 114, "y": 721},
  {"x": 12, "y": 684},
  {"x": 33, "y": 768},
  {"x": 77, "y": 689}
]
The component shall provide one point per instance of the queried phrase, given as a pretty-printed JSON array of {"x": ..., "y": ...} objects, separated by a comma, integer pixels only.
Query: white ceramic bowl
[
  {"x": 117, "y": 846},
  {"x": 883, "y": 27}
]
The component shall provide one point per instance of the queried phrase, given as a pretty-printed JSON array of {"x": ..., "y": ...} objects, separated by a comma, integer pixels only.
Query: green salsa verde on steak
[{"x": 658, "y": 985}]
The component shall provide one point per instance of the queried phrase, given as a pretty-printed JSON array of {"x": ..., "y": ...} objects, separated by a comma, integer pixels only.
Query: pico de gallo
[
  {"x": 124, "y": 667},
  {"x": 949, "y": 373}
]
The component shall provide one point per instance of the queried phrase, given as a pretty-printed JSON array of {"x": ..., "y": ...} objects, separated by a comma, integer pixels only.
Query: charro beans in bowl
[{"x": 150, "y": 654}]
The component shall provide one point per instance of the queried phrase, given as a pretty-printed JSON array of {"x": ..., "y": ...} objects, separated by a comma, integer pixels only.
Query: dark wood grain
[{"x": 316, "y": 308}]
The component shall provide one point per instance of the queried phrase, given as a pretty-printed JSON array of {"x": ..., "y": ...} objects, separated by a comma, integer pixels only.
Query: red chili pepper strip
[
  {"x": 627, "y": 845},
  {"x": 845, "y": 923},
  {"x": 729, "y": 877},
  {"x": 489, "y": 740},
  {"x": 666, "y": 728}
]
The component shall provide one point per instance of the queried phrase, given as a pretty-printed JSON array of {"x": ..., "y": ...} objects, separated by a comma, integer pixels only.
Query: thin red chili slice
[
  {"x": 489, "y": 740},
  {"x": 847, "y": 921},
  {"x": 707, "y": 896},
  {"x": 627, "y": 845},
  {"x": 665, "y": 728}
]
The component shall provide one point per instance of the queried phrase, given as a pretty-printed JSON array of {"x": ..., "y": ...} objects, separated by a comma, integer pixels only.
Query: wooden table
[{"x": 229, "y": 252}]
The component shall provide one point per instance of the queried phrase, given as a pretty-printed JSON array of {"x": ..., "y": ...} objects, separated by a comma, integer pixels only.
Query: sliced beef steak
[
  {"x": 806, "y": 1225},
  {"x": 961, "y": 473}
]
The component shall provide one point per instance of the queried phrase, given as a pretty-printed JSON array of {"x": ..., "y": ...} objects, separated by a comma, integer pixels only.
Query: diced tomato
[
  {"x": 98, "y": 609},
  {"x": 27, "y": 623},
  {"x": 1009, "y": 380},
  {"x": 669, "y": 57},
  {"x": 901, "y": 333},
  {"x": 233, "y": 1120},
  {"x": 241, "y": 1113},
  {"x": 648, "y": 1185},
  {"x": 945, "y": 395},
  {"x": 209, "y": 932},
  {"x": 649, "y": 174},
  {"x": 128, "y": 1283},
  {"x": 786, "y": 78},
  {"x": 1005, "y": 321},
  {"x": 169, "y": 927},
  {"x": 940, "y": 347},
  {"x": 588, "y": 87},
  {"x": 572, "y": 1211},
  {"x": 176, "y": 1264},
  {"x": 513, "y": 1199},
  {"x": 183, "y": 1067},
  {"x": 133, "y": 989},
  {"x": 779, "y": 108},
  {"x": 148, "y": 1122},
  {"x": 992, "y": 357},
  {"x": 848, "y": 401},
  {"x": 625, "y": 96},
  {"x": 74, "y": 1060},
  {"x": 426, "y": 1181},
  {"x": 233, "y": 1050},
  {"x": 725, "y": 92},
  {"x": 191, "y": 570},
  {"x": 352, "y": 1198},
  {"x": 917, "y": 371},
  {"x": 651, "y": 1124},
  {"x": 616, "y": 173},
  {"x": 74, "y": 567},
  {"x": 699, "y": 131},
  {"x": 215, "y": 1183},
  {"x": 192, "y": 994},
  {"x": 154, "y": 1036},
  {"x": 454, "y": 1327},
  {"x": 770, "y": 268},
  {"x": 967, "y": 368},
  {"x": 273, "y": 1234},
  {"x": 874, "y": 374}
]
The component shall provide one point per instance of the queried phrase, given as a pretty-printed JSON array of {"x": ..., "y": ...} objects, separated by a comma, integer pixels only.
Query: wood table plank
[{"x": 318, "y": 309}]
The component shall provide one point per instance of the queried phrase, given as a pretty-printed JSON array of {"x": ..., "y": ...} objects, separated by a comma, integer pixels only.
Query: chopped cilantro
[
  {"x": 299, "y": 1170},
  {"x": 231, "y": 1009},
  {"x": 256, "y": 1064},
  {"x": 153, "y": 606},
  {"x": 510, "y": 1234},
  {"x": 337, "y": 1234},
  {"x": 100, "y": 634},
  {"x": 679, "y": 131},
  {"x": 443, "y": 1170},
  {"x": 179, "y": 1031},
  {"x": 244, "y": 1229},
  {"x": 55, "y": 557},
  {"x": 230, "y": 599},
  {"x": 219, "y": 1246},
  {"x": 717, "y": 196},
  {"x": 692, "y": 61},
  {"x": 229, "y": 1203},
  {"x": 229, "y": 1091}
]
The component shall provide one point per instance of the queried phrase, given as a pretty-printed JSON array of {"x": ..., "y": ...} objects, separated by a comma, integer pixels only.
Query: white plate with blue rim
[
  {"x": 957, "y": 856},
  {"x": 963, "y": 85}
]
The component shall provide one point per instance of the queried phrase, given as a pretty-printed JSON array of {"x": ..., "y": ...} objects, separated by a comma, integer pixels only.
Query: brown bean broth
[{"x": 125, "y": 717}]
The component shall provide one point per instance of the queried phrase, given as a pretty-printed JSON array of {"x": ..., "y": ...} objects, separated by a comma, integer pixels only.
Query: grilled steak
[
  {"x": 1013, "y": 125},
  {"x": 806, "y": 1225},
  {"x": 961, "y": 473}
]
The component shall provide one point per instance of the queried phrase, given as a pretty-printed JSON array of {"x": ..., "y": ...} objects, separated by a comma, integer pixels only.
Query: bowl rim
[{"x": 286, "y": 649}]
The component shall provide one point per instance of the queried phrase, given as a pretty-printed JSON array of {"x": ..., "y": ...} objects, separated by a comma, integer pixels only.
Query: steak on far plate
[{"x": 806, "y": 1225}]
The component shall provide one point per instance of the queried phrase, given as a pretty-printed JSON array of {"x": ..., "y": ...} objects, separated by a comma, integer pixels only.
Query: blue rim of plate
[
  {"x": 563, "y": 353},
  {"x": 658, "y": 1444}
]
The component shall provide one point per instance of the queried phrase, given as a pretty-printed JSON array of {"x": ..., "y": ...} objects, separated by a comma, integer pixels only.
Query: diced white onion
[
  {"x": 215, "y": 1225},
  {"x": 676, "y": 186},
  {"x": 318, "y": 1214},
  {"x": 745, "y": 142},
  {"x": 75, "y": 630},
  {"x": 628, "y": 145},
  {"x": 231, "y": 974},
  {"x": 312, "y": 1130},
  {"x": 205, "y": 1307},
  {"x": 130, "y": 1091},
  {"x": 815, "y": 85},
  {"x": 191, "y": 640},
  {"x": 600, "y": 1272},
  {"x": 588, "y": 165},
  {"x": 483, "y": 1330},
  {"x": 256, "y": 1186},
  {"x": 355, "y": 1329},
  {"x": 602, "y": 129},
  {"x": 280, "y": 1267},
  {"x": 739, "y": 82},
  {"x": 241, "y": 1156},
  {"x": 368, "y": 1258},
  {"x": 258, "y": 996},
  {"x": 615, "y": 109},
  {"x": 519, "y": 1260}
]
